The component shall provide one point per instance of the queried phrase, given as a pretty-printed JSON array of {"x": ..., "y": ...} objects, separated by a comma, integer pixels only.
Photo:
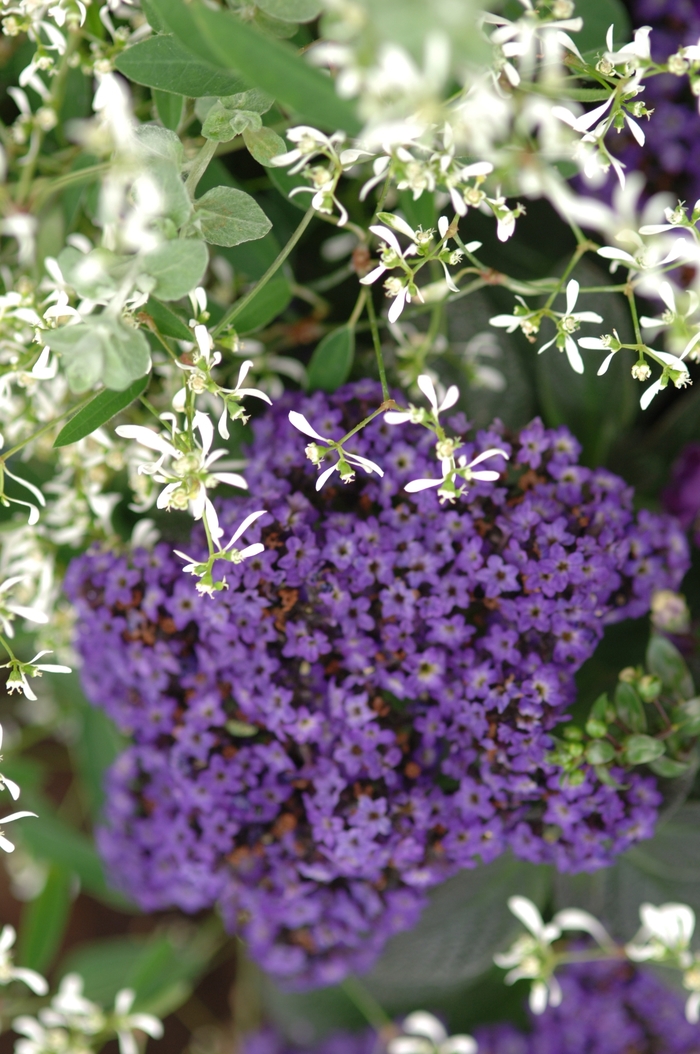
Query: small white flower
[
  {"x": 425, "y": 1034},
  {"x": 568, "y": 323},
  {"x": 10, "y": 972},
  {"x": 125, "y": 1022},
  {"x": 664, "y": 936},
  {"x": 531, "y": 956},
  {"x": 345, "y": 460}
]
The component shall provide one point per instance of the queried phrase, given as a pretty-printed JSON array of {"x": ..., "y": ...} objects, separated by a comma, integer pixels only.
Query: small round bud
[
  {"x": 677, "y": 64},
  {"x": 563, "y": 8},
  {"x": 573, "y": 733},
  {"x": 628, "y": 675},
  {"x": 605, "y": 67},
  {"x": 641, "y": 371},
  {"x": 595, "y": 728},
  {"x": 669, "y": 612},
  {"x": 649, "y": 687}
]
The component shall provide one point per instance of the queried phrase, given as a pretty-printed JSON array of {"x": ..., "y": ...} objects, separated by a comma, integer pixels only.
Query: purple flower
[{"x": 368, "y": 708}]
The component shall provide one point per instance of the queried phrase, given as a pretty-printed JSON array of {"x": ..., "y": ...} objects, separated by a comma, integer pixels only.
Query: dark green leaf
[
  {"x": 639, "y": 750},
  {"x": 599, "y": 752},
  {"x": 668, "y": 768},
  {"x": 44, "y": 921},
  {"x": 598, "y": 15},
  {"x": 177, "y": 267},
  {"x": 162, "y": 62},
  {"x": 629, "y": 707},
  {"x": 103, "y": 408},
  {"x": 332, "y": 359},
  {"x": 219, "y": 37},
  {"x": 228, "y": 217},
  {"x": 292, "y": 10},
  {"x": 101, "y": 349},
  {"x": 284, "y": 183},
  {"x": 169, "y": 107},
  {"x": 264, "y": 144},
  {"x": 267, "y": 304},
  {"x": 168, "y": 323},
  {"x": 665, "y": 660}
]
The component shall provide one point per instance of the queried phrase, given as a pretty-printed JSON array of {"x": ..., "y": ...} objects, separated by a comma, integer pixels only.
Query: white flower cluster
[{"x": 664, "y": 937}]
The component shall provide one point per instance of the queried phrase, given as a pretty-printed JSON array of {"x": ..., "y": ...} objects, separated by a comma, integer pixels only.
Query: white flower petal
[
  {"x": 527, "y": 913},
  {"x": 421, "y": 1023},
  {"x": 571, "y": 295},
  {"x": 324, "y": 476},
  {"x": 417, "y": 485},
  {"x": 649, "y": 394},
  {"x": 300, "y": 422},
  {"x": 245, "y": 525},
  {"x": 428, "y": 388},
  {"x": 573, "y": 355}
]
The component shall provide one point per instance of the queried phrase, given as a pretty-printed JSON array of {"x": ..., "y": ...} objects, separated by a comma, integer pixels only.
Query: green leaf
[
  {"x": 98, "y": 412},
  {"x": 160, "y": 142},
  {"x": 629, "y": 707},
  {"x": 217, "y": 124},
  {"x": 332, "y": 359},
  {"x": 639, "y": 750},
  {"x": 95, "y": 749},
  {"x": 256, "y": 100},
  {"x": 168, "y": 323},
  {"x": 598, "y": 15},
  {"x": 44, "y": 921},
  {"x": 221, "y": 38},
  {"x": 267, "y": 304},
  {"x": 163, "y": 62},
  {"x": 161, "y": 969},
  {"x": 151, "y": 16},
  {"x": 291, "y": 10},
  {"x": 177, "y": 267},
  {"x": 175, "y": 203},
  {"x": 665, "y": 660},
  {"x": 49, "y": 838},
  {"x": 669, "y": 769},
  {"x": 94, "y": 275},
  {"x": 169, "y": 107},
  {"x": 228, "y": 217},
  {"x": 687, "y": 715},
  {"x": 263, "y": 144},
  {"x": 101, "y": 349},
  {"x": 599, "y": 752},
  {"x": 599, "y": 710}
]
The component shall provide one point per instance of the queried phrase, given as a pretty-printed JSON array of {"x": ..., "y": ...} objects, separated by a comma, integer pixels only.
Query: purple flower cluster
[
  {"x": 399, "y": 665},
  {"x": 608, "y": 1008}
]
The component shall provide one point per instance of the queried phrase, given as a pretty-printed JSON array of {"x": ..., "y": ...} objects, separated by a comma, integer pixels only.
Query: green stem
[
  {"x": 386, "y": 405},
  {"x": 377, "y": 346},
  {"x": 53, "y": 186},
  {"x": 55, "y": 101},
  {"x": 46, "y": 428},
  {"x": 199, "y": 166},
  {"x": 580, "y": 249},
  {"x": 357, "y": 310},
  {"x": 629, "y": 293},
  {"x": 272, "y": 269},
  {"x": 371, "y": 1010},
  {"x": 8, "y": 649}
]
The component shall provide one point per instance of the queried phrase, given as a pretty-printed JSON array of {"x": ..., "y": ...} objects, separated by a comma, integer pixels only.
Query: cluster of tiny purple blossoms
[
  {"x": 608, "y": 1008},
  {"x": 401, "y": 665}
]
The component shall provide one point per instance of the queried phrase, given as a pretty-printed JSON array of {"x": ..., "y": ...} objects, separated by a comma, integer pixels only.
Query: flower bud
[{"x": 669, "y": 612}]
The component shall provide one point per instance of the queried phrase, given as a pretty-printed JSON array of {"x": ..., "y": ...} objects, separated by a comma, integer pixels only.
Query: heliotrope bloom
[{"x": 367, "y": 707}]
